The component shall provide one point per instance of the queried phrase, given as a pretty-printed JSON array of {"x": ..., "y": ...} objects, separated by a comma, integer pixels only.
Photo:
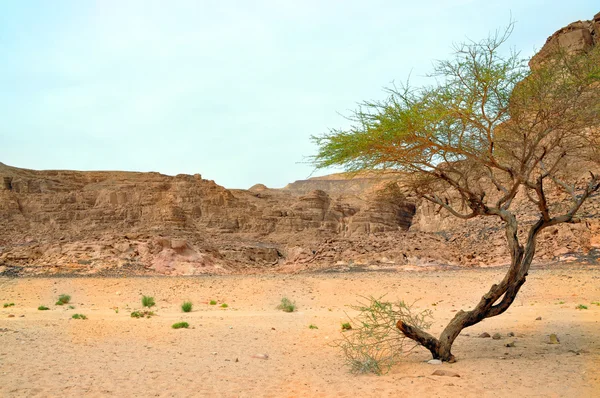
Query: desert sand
[{"x": 46, "y": 353}]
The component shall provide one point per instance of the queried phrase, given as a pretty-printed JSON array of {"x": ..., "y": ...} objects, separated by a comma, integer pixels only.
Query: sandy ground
[{"x": 46, "y": 353}]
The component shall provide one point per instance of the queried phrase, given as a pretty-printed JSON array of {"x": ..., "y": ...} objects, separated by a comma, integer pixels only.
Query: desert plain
[{"x": 222, "y": 353}]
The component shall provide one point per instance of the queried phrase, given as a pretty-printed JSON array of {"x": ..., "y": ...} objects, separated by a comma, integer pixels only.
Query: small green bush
[
  {"x": 213, "y": 302},
  {"x": 79, "y": 316},
  {"x": 148, "y": 301},
  {"x": 287, "y": 305},
  {"x": 224, "y": 305},
  {"x": 374, "y": 343},
  {"x": 186, "y": 306},
  {"x": 181, "y": 325},
  {"x": 43, "y": 308},
  {"x": 142, "y": 314},
  {"x": 581, "y": 307},
  {"x": 63, "y": 299},
  {"x": 71, "y": 307},
  {"x": 346, "y": 326},
  {"x": 6, "y": 305},
  {"x": 311, "y": 326}
]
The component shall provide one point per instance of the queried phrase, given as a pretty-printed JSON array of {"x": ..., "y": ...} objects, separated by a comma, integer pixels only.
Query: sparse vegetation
[
  {"x": 224, "y": 305},
  {"x": 596, "y": 303},
  {"x": 213, "y": 302},
  {"x": 148, "y": 301},
  {"x": 79, "y": 316},
  {"x": 6, "y": 305},
  {"x": 581, "y": 307},
  {"x": 142, "y": 314},
  {"x": 63, "y": 299},
  {"x": 43, "y": 308},
  {"x": 372, "y": 342},
  {"x": 187, "y": 306},
  {"x": 287, "y": 305},
  {"x": 71, "y": 307},
  {"x": 311, "y": 326},
  {"x": 181, "y": 325}
]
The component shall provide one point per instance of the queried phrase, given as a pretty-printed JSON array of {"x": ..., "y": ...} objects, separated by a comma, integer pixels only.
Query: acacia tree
[{"x": 487, "y": 130}]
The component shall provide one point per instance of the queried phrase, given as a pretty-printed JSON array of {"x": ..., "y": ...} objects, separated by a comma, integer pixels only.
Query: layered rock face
[{"x": 182, "y": 224}]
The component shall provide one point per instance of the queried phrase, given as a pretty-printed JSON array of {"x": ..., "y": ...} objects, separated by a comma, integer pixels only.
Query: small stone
[
  {"x": 442, "y": 372},
  {"x": 484, "y": 335},
  {"x": 497, "y": 336},
  {"x": 261, "y": 356},
  {"x": 511, "y": 344},
  {"x": 214, "y": 353},
  {"x": 237, "y": 360},
  {"x": 434, "y": 362},
  {"x": 539, "y": 318},
  {"x": 11, "y": 315},
  {"x": 554, "y": 339},
  {"x": 511, "y": 334}
]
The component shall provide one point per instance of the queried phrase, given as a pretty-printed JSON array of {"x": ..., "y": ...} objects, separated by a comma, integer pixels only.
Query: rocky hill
[{"x": 115, "y": 223}]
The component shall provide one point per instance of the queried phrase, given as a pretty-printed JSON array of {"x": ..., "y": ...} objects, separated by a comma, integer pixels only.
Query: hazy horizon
[{"x": 232, "y": 91}]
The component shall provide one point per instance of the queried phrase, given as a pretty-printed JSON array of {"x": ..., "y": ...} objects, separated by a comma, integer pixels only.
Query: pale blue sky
[{"x": 228, "y": 89}]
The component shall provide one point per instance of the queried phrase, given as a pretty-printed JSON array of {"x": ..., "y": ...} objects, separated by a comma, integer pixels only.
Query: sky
[{"x": 232, "y": 90}]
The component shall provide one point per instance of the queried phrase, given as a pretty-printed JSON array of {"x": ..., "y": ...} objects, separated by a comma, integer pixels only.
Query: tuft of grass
[
  {"x": 71, "y": 307},
  {"x": 581, "y": 307},
  {"x": 224, "y": 305},
  {"x": 187, "y": 306},
  {"x": 63, "y": 299},
  {"x": 374, "y": 343},
  {"x": 287, "y": 305},
  {"x": 596, "y": 303},
  {"x": 181, "y": 325},
  {"x": 142, "y": 314},
  {"x": 148, "y": 301},
  {"x": 6, "y": 305},
  {"x": 311, "y": 326},
  {"x": 213, "y": 302},
  {"x": 43, "y": 308},
  {"x": 561, "y": 302},
  {"x": 79, "y": 316},
  {"x": 346, "y": 326}
]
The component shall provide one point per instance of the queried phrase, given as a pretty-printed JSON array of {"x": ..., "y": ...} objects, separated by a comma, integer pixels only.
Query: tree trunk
[{"x": 497, "y": 300}]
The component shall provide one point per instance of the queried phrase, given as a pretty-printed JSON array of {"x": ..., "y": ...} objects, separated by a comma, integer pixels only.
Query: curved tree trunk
[{"x": 497, "y": 300}]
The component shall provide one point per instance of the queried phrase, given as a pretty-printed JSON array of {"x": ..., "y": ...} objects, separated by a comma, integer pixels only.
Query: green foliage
[
  {"x": 180, "y": 325},
  {"x": 186, "y": 306},
  {"x": 374, "y": 343},
  {"x": 213, "y": 302},
  {"x": 596, "y": 303},
  {"x": 43, "y": 308},
  {"x": 224, "y": 305},
  {"x": 346, "y": 326},
  {"x": 287, "y": 305},
  {"x": 6, "y": 305},
  {"x": 581, "y": 307},
  {"x": 311, "y": 326},
  {"x": 79, "y": 316},
  {"x": 63, "y": 299},
  {"x": 486, "y": 120},
  {"x": 71, "y": 307},
  {"x": 148, "y": 301},
  {"x": 142, "y": 314}
]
